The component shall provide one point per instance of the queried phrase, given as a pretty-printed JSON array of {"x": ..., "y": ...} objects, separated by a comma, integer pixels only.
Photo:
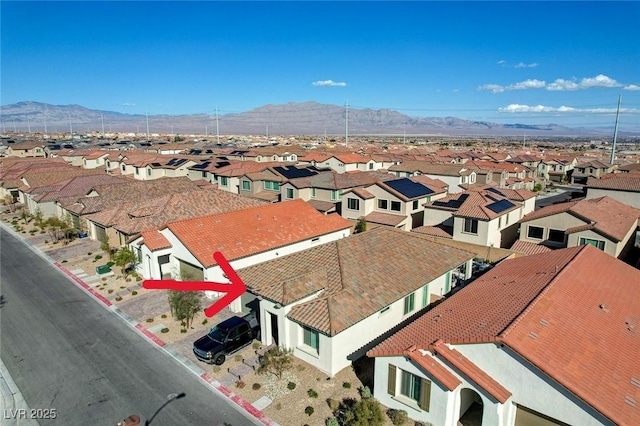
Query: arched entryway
[{"x": 471, "y": 408}]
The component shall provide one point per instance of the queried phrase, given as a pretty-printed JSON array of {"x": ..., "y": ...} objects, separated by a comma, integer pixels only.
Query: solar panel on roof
[
  {"x": 222, "y": 163},
  {"x": 409, "y": 188},
  {"x": 201, "y": 166},
  {"x": 500, "y": 206},
  {"x": 452, "y": 204},
  {"x": 291, "y": 172},
  {"x": 492, "y": 189}
]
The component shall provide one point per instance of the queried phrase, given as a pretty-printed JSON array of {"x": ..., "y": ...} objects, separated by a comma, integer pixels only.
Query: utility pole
[
  {"x": 70, "y": 128},
  {"x": 147, "y": 114},
  {"x": 28, "y": 124},
  {"x": 102, "y": 120},
  {"x": 217, "y": 127},
  {"x": 45, "y": 120},
  {"x": 346, "y": 125},
  {"x": 615, "y": 132}
]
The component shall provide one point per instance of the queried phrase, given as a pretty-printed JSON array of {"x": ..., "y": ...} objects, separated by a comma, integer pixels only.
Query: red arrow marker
[{"x": 233, "y": 290}]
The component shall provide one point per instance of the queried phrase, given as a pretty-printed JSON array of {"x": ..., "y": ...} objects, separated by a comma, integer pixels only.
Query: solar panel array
[
  {"x": 409, "y": 188},
  {"x": 201, "y": 166},
  {"x": 176, "y": 161},
  {"x": 291, "y": 172},
  {"x": 500, "y": 206},
  {"x": 452, "y": 204},
  {"x": 494, "y": 190}
]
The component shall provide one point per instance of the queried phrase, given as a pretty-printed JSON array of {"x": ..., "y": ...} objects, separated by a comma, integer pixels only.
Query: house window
[
  {"x": 266, "y": 184},
  {"x": 595, "y": 243},
  {"x": 425, "y": 295},
  {"x": 224, "y": 181},
  {"x": 556, "y": 235},
  {"x": 410, "y": 385},
  {"x": 395, "y": 206},
  {"x": 123, "y": 167},
  {"x": 385, "y": 310},
  {"x": 313, "y": 193},
  {"x": 246, "y": 185},
  {"x": 336, "y": 194},
  {"x": 499, "y": 222},
  {"x": 137, "y": 171},
  {"x": 535, "y": 232},
  {"x": 506, "y": 219},
  {"x": 415, "y": 204},
  {"x": 290, "y": 193},
  {"x": 148, "y": 172},
  {"x": 276, "y": 186},
  {"x": 471, "y": 226},
  {"x": 310, "y": 338},
  {"x": 353, "y": 204},
  {"x": 204, "y": 174},
  {"x": 409, "y": 303},
  {"x": 370, "y": 166},
  {"x": 383, "y": 204}
]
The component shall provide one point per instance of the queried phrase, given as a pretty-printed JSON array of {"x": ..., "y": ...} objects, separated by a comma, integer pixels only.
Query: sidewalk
[{"x": 14, "y": 409}]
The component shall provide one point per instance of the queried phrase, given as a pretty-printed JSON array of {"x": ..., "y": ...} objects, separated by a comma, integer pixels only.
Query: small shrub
[
  {"x": 240, "y": 384},
  {"x": 279, "y": 406},
  {"x": 300, "y": 367},
  {"x": 122, "y": 287},
  {"x": 98, "y": 257},
  {"x": 216, "y": 368},
  {"x": 164, "y": 330},
  {"x": 238, "y": 358},
  {"x": 255, "y": 346},
  {"x": 312, "y": 393},
  {"x": 149, "y": 319},
  {"x": 205, "y": 321},
  {"x": 346, "y": 385},
  {"x": 291, "y": 385},
  {"x": 365, "y": 392},
  {"x": 138, "y": 278},
  {"x": 110, "y": 291},
  {"x": 331, "y": 421},
  {"x": 64, "y": 261},
  {"x": 163, "y": 316},
  {"x": 46, "y": 241},
  {"x": 118, "y": 298},
  {"x": 133, "y": 293},
  {"x": 308, "y": 411},
  {"x": 110, "y": 264},
  {"x": 333, "y": 404},
  {"x": 104, "y": 278},
  {"x": 182, "y": 323},
  {"x": 182, "y": 330},
  {"x": 256, "y": 386},
  {"x": 89, "y": 254},
  {"x": 398, "y": 417}
]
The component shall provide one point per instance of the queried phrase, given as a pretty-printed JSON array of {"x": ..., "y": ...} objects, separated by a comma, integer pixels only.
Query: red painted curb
[
  {"x": 83, "y": 284},
  {"x": 238, "y": 400},
  {"x": 150, "y": 335}
]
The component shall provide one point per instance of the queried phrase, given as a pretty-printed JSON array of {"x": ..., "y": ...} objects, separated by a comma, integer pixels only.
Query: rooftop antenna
[
  {"x": 615, "y": 131},
  {"x": 217, "y": 127},
  {"x": 346, "y": 125}
]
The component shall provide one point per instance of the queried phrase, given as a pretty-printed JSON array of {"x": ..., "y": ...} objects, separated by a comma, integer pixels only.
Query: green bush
[
  {"x": 163, "y": 316},
  {"x": 312, "y": 393},
  {"x": 309, "y": 410},
  {"x": 331, "y": 421},
  {"x": 346, "y": 385},
  {"x": 333, "y": 404},
  {"x": 182, "y": 330},
  {"x": 133, "y": 293},
  {"x": 366, "y": 412},
  {"x": 98, "y": 257},
  {"x": 149, "y": 320},
  {"x": 205, "y": 321},
  {"x": 164, "y": 330},
  {"x": 240, "y": 384},
  {"x": 398, "y": 417},
  {"x": 291, "y": 385},
  {"x": 365, "y": 392},
  {"x": 256, "y": 386}
]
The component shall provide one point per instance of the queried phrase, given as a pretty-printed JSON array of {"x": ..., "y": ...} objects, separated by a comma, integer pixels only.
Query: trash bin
[{"x": 103, "y": 269}]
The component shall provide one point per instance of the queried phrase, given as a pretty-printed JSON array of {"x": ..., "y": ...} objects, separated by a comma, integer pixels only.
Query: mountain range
[{"x": 306, "y": 118}]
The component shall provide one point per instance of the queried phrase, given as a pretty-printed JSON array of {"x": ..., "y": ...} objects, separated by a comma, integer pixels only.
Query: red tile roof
[
  {"x": 474, "y": 204},
  {"x": 620, "y": 182},
  {"x": 472, "y": 371},
  {"x": 154, "y": 240},
  {"x": 573, "y": 313},
  {"x": 385, "y": 218},
  {"x": 254, "y": 230},
  {"x": 432, "y": 366},
  {"x": 527, "y": 247}
]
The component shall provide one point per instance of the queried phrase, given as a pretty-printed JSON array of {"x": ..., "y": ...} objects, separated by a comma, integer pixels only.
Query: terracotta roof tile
[
  {"x": 382, "y": 218},
  {"x": 620, "y": 182},
  {"x": 436, "y": 231},
  {"x": 75, "y": 186},
  {"x": 472, "y": 371},
  {"x": 527, "y": 247},
  {"x": 255, "y": 230},
  {"x": 154, "y": 240},
  {"x": 432, "y": 366}
]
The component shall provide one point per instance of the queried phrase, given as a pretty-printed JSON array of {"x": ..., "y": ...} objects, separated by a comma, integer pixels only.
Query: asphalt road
[{"x": 67, "y": 352}]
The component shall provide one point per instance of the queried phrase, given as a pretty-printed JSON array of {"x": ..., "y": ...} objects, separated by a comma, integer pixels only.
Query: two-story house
[
  {"x": 590, "y": 168},
  {"x": 546, "y": 339},
  {"x": 557, "y": 168},
  {"x": 453, "y": 175},
  {"x": 26, "y": 149}
]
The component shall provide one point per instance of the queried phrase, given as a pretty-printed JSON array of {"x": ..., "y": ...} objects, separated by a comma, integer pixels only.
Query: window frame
[
  {"x": 558, "y": 231},
  {"x": 469, "y": 225},
  {"x": 386, "y": 204},
  {"x": 246, "y": 185},
  {"x": 533, "y": 237},
  {"x": 409, "y": 303},
  {"x": 584, "y": 241},
  {"x": 289, "y": 194},
  {"x": 399, "y": 205},
  {"x": 308, "y": 337},
  {"x": 354, "y": 201},
  {"x": 224, "y": 181}
]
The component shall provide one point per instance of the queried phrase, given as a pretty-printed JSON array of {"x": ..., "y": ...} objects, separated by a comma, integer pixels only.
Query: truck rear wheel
[{"x": 220, "y": 359}]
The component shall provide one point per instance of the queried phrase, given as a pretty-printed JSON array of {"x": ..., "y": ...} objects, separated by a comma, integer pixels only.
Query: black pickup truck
[{"x": 226, "y": 338}]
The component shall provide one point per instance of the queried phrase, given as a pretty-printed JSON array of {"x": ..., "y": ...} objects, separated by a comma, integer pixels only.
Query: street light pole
[{"x": 170, "y": 398}]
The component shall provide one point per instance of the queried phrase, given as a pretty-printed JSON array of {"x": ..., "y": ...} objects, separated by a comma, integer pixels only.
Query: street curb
[{"x": 241, "y": 403}]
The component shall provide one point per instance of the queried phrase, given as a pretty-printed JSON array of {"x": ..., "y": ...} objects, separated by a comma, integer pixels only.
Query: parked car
[{"x": 226, "y": 338}]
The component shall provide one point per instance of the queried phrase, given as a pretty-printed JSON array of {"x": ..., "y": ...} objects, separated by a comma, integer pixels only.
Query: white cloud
[
  {"x": 560, "y": 84},
  {"x": 330, "y": 83},
  {"x": 516, "y": 108},
  {"x": 523, "y": 65},
  {"x": 128, "y": 104},
  {"x": 502, "y": 62}
]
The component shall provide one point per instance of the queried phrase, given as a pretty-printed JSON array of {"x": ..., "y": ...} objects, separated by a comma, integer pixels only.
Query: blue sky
[{"x": 507, "y": 62}]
